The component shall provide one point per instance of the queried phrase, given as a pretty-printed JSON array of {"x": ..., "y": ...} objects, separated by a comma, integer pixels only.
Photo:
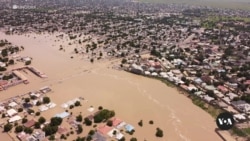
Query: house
[
  {"x": 98, "y": 137},
  {"x": 39, "y": 135},
  {"x": 116, "y": 121},
  {"x": 232, "y": 95},
  {"x": 241, "y": 105},
  {"x": 104, "y": 129},
  {"x": 13, "y": 104},
  {"x": 222, "y": 89},
  {"x": 29, "y": 123},
  {"x": 14, "y": 118},
  {"x": 208, "y": 98},
  {"x": 136, "y": 69},
  {"x": 22, "y": 136},
  {"x": 129, "y": 128},
  {"x": 198, "y": 81},
  {"x": 209, "y": 87},
  {"x": 11, "y": 112},
  {"x": 206, "y": 79}
]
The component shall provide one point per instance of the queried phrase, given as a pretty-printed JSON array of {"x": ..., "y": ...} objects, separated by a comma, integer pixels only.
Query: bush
[
  {"x": 27, "y": 62},
  {"x": 63, "y": 137},
  {"x": 20, "y": 110},
  {"x": 52, "y": 137},
  {"x": 38, "y": 113},
  {"x": 151, "y": 122},
  {"x": 30, "y": 111},
  {"x": 140, "y": 123},
  {"x": 79, "y": 129},
  {"x": 91, "y": 133},
  {"x": 38, "y": 103},
  {"x": 71, "y": 106},
  {"x": 3, "y": 115},
  {"x": 80, "y": 139},
  {"x": 3, "y": 69},
  {"x": 27, "y": 100},
  {"x": 133, "y": 139},
  {"x": 11, "y": 62},
  {"x": 100, "y": 108},
  {"x": 159, "y": 132},
  {"x": 110, "y": 123},
  {"x": 77, "y": 103}
]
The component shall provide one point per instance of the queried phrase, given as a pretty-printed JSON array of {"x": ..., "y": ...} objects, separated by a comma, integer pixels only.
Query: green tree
[
  {"x": 4, "y": 52},
  {"x": 91, "y": 133},
  {"x": 46, "y": 100},
  {"x": 49, "y": 130},
  {"x": 11, "y": 62},
  {"x": 140, "y": 123},
  {"x": 79, "y": 129},
  {"x": 7, "y": 127},
  {"x": 124, "y": 61},
  {"x": 28, "y": 130},
  {"x": 87, "y": 122},
  {"x": 37, "y": 125},
  {"x": 3, "y": 69},
  {"x": 55, "y": 121},
  {"x": 159, "y": 132},
  {"x": 27, "y": 100},
  {"x": 19, "y": 129},
  {"x": 79, "y": 118},
  {"x": 77, "y": 103},
  {"x": 24, "y": 120},
  {"x": 41, "y": 120}
]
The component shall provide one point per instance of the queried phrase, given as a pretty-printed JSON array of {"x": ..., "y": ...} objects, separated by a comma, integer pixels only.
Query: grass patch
[
  {"x": 246, "y": 130},
  {"x": 238, "y": 132}
]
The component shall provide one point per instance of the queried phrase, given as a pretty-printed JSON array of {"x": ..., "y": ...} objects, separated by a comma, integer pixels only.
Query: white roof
[
  {"x": 43, "y": 108},
  {"x": 12, "y": 104},
  {"x": 154, "y": 74},
  {"x": 64, "y": 105},
  {"x": 15, "y": 118},
  {"x": 91, "y": 109},
  {"x": 147, "y": 72},
  {"x": 240, "y": 116},
  {"x": 11, "y": 112}
]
